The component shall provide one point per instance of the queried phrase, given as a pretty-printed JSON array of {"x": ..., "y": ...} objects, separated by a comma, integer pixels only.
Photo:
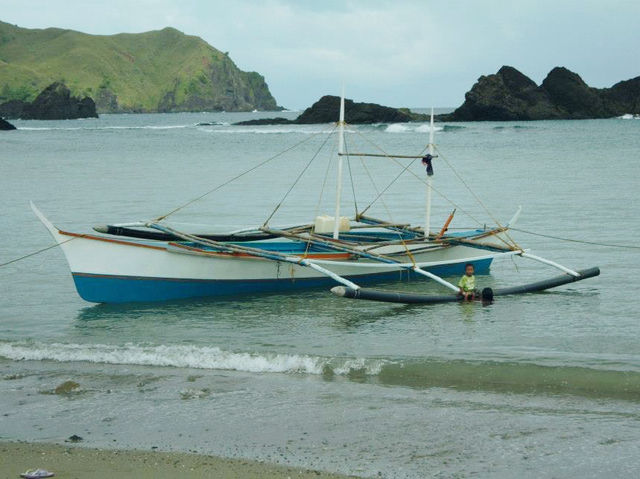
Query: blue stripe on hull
[{"x": 127, "y": 289}]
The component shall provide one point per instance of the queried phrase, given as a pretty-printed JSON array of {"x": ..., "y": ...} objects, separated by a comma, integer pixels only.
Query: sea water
[{"x": 531, "y": 386}]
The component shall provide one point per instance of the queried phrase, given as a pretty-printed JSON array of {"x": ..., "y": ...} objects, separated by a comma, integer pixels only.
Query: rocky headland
[
  {"x": 509, "y": 95},
  {"x": 54, "y": 103},
  {"x": 157, "y": 71}
]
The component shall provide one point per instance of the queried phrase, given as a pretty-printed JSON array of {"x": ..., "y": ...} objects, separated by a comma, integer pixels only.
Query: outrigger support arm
[
  {"x": 514, "y": 219},
  {"x": 270, "y": 255},
  {"x": 550, "y": 263},
  {"x": 329, "y": 273},
  {"x": 436, "y": 278},
  {"x": 363, "y": 254}
]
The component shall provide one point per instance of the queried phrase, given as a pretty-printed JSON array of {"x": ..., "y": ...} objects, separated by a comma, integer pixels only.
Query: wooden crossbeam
[{"x": 379, "y": 155}]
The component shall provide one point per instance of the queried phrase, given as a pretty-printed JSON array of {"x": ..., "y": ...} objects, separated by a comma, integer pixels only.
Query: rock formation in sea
[
  {"x": 12, "y": 109},
  {"x": 510, "y": 95},
  {"x": 6, "y": 126},
  {"x": 267, "y": 121},
  {"x": 54, "y": 103},
  {"x": 327, "y": 109}
]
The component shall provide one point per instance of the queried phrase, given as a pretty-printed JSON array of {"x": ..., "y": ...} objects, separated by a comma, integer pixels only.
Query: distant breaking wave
[
  {"x": 420, "y": 128},
  {"x": 146, "y": 127},
  {"x": 461, "y": 374},
  {"x": 629, "y": 116},
  {"x": 269, "y": 131},
  {"x": 226, "y": 128},
  {"x": 408, "y": 128}
]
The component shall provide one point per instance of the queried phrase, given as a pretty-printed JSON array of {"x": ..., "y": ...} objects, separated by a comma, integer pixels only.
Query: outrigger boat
[{"x": 154, "y": 261}]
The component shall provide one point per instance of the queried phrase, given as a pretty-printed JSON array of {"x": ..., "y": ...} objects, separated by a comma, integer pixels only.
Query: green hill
[{"x": 163, "y": 70}]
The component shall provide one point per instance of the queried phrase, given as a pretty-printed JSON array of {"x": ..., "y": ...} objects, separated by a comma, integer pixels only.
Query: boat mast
[
  {"x": 427, "y": 219},
  {"x": 336, "y": 224}
]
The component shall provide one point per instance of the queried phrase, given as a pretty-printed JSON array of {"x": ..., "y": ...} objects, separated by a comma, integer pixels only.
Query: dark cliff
[
  {"x": 327, "y": 110},
  {"x": 511, "y": 95},
  {"x": 54, "y": 103},
  {"x": 5, "y": 125}
]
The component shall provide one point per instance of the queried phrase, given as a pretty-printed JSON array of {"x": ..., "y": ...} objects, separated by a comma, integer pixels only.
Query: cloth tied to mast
[{"x": 426, "y": 161}]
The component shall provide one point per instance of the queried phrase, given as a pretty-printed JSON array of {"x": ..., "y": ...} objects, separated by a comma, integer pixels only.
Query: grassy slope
[{"x": 140, "y": 69}]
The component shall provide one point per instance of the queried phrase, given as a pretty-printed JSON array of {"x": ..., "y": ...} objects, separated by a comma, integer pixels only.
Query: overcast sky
[{"x": 399, "y": 53}]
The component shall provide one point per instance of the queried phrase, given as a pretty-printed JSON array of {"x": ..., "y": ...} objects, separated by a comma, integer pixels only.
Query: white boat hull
[{"x": 110, "y": 270}]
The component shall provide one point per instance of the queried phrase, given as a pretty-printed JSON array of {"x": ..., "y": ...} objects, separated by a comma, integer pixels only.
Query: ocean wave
[
  {"x": 76, "y": 128},
  {"x": 514, "y": 127},
  {"x": 516, "y": 377},
  {"x": 410, "y": 128},
  {"x": 208, "y": 127},
  {"x": 522, "y": 376},
  {"x": 268, "y": 131},
  {"x": 629, "y": 116},
  {"x": 197, "y": 357}
]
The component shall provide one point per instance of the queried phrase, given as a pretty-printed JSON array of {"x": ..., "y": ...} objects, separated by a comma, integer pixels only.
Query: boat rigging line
[
  {"x": 419, "y": 178},
  {"x": 477, "y": 198},
  {"x": 388, "y": 186},
  {"x": 324, "y": 181},
  {"x": 359, "y": 215},
  {"x": 353, "y": 186},
  {"x": 572, "y": 240},
  {"x": 375, "y": 187},
  {"x": 300, "y": 175},
  {"x": 42, "y": 250},
  {"x": 240, "y": 175}
]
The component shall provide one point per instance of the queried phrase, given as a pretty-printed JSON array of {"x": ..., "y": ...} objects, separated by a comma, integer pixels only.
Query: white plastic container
[{"x": 324, "y": 224}]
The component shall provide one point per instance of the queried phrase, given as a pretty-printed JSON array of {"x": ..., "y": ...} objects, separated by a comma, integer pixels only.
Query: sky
[{"x": 414, "y": 53}]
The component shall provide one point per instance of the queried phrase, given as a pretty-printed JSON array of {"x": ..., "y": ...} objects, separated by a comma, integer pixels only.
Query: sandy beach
[{"x": 78, "y": 462}]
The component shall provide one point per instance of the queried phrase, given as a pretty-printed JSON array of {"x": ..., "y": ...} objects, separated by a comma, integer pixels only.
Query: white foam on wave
[
  {"x": 397, "y": 128},
  {"x": 75, "y": 128},
  {"x": 151, "y": 127},
  {"x": 27, "y": 128},
  {"x": 267, "y": 131},
  {"x": 426, "y": 128},
  {"x": 180, "y": 356},
  {"x": 405, "y": 128}
]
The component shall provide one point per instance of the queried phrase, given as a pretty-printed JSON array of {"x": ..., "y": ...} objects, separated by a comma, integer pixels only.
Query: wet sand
[{"x": 79, "y": 462}]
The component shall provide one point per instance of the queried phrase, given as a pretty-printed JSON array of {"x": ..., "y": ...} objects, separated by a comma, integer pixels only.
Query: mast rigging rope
[
  {"x": 37, "y": 252},
  {"x": 175, "y": 210},
  {"x": 299, "y": 176},
  {"x": 353, "y": 186},
  {"x": 478, "y": 200},
  {"x": 572, "y": 240},
  {"x": 445, "y": 197}
]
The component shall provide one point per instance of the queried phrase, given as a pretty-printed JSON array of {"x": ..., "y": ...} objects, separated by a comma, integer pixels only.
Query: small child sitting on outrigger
[{"x": 467, "y": 283}]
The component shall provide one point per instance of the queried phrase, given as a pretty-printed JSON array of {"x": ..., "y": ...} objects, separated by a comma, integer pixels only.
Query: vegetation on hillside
[{"x": 163, "y": 70}]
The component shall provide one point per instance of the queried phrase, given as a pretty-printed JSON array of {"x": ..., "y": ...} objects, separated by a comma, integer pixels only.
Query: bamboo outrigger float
[
  {"x": 486, "y": 296},
  {"x": 154, "y": 261}
]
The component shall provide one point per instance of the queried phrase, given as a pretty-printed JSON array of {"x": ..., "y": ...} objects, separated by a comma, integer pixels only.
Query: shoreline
[{"x": 88, "y": 462}]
